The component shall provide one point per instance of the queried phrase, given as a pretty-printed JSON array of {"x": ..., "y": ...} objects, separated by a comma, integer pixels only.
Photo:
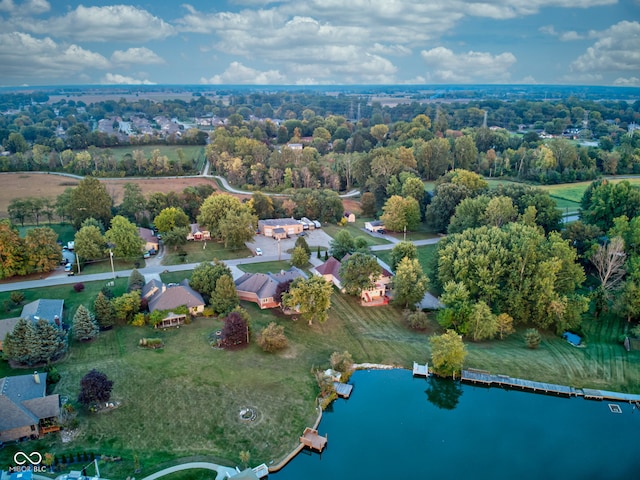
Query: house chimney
[{"x": 36, "y": 377}]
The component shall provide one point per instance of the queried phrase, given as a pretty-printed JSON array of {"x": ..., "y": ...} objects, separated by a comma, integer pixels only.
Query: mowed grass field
[
  {"x": 42, "y": 185},
  {"x": 184, "y": 400}
]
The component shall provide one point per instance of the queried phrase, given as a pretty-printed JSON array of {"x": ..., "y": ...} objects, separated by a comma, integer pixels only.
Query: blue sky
[{"x": 315, "y": 42}]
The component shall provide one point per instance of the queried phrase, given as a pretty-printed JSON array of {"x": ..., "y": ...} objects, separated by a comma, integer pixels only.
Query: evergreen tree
[
  {"x": 19, "y": 344},
  {"x": 224, "y": 297},
  {"x": 84, "y": 326},
  {"x": 104, "y": 312},
  {"x": 136, "y": 280},
  {"x": 51, "y": 342},
  {"x": 301, "y": 242}
]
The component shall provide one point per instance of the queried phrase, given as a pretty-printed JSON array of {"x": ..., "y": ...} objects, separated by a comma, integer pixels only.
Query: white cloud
[
  {"x": 627, "y": 82},
  {"x": 448, "y": 67},
  {"x": 22, "y": 55},
  {"x": 571, "y": 36},
  {"x": 237, "y": 73},
  {"x": 117, "y": 79},
  {"x": 141, "y": 55},
  {"x": 102, "y": 24},
  {"x": 28, "y": 7},
  {"x": 617, "y": 49}
]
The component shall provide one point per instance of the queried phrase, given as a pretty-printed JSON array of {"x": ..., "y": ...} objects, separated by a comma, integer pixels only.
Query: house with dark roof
[
  {"x": 44, "y": 308},
  {"x": 280, "y": 227},
  {"x": 260, "y": 288},
  {"x": 26, "y": 411},
  {"x": 169, "y": 297},
  {"x": 330, "y": 270}
]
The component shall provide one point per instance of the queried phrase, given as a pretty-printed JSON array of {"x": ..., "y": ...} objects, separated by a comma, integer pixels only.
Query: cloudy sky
[{"x": 308, "y": 42}]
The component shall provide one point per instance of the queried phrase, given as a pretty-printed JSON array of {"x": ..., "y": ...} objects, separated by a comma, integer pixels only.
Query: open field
[
  {"x": 184, "y": 400},
  {"x": 19, "y": 185}
]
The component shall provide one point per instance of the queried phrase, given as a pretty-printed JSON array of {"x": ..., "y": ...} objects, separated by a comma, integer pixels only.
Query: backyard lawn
[{"x": 184, "y": 400}]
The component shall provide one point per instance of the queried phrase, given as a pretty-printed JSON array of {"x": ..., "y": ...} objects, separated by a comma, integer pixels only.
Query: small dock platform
[
  {"x": 343, "y": 389},
  {"x": 310, "y": 438},
  {"x": 484, "y": 378},
  {"x": 592, "y": 394},
  {"x": 420, "y": 370}
]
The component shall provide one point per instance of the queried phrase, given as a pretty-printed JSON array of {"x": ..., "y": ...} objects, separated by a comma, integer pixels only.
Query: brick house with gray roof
[{"x": 260, "y": 288}]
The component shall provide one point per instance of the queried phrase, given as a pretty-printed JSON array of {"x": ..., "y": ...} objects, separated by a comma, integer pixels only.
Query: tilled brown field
[{"x": 21, "y": 185}]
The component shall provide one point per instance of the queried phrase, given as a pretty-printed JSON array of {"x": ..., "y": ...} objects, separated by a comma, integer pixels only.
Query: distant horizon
[{"x": 321, "y": 42}]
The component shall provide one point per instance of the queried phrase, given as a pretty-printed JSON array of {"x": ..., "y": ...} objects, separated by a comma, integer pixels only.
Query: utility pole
[{"x": 113, "y": 272}]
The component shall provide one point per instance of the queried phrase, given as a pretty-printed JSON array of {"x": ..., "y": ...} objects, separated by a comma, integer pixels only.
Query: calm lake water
[{"x": 395, "y": 426}]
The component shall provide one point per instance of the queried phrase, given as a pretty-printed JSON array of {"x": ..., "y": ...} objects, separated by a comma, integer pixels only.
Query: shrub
[
  {"x": 17, "y": 297},
  {"x": 151, "y": 343},
  {"x": 139, "y": 320},
  {"x": 635, "y": 331},
  {"x": 532, "y": 338},
  {"x": 417, "y": 320},
  {"x": 272, "y": 338},
  {"x": 342, "y": 362},
  {"x": 78, "y": 287}
]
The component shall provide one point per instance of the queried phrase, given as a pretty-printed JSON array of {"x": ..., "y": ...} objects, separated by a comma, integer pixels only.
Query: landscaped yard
[
  {"x": 184, "y": 400},
  {"x": 425, "y": 256}
]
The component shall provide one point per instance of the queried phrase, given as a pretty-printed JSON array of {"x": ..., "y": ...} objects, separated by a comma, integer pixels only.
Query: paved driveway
[{"x": 315, "y": 238}]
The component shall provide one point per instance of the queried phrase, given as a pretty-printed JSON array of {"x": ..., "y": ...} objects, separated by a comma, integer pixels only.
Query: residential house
[
  {"x": 6, "y": 326},
  {"x": 280, "y": 228},
  {"x": 374, "y": 226},
  {"x": 376, "y": 295},
  {"x": 151, "y": 242},
  {"x": 198, "y": 234},
  {"x": 350, "y": 216},
  {"x": 330, "y": 270},
  {"x": 260, "y": 288},
  {"x": 169, "y": 297},
  {"x": 27, "y": 411},
  {"x": 44, "y": 308}
]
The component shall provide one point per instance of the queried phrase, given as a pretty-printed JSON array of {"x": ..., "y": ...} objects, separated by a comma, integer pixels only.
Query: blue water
[{"x": 398, "y": 427}]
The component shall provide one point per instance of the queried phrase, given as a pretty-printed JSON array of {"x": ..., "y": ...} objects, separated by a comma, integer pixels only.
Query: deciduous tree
[
  {"x": 90, "y": 244},
  {"x": 170, "y": 218},
  {"x": 447, "y": 354},
  {"x": 400, "y": 213},
  {"x": 401, "y": 250},
  {"x": 125, "y": 237},
  {"x": 43, "y": 251},
  {"x": 224, "y": 297},
  {"x": 342, "y": 244},
  {"x": 409, "y": 283},
  {"x": 359, "y": 272},
  {"x": 90, "y": 199},
  {"x": 272, "y": 338},
  {"x": 310, "y": 297},
  {"x": 95, "y": 387}
]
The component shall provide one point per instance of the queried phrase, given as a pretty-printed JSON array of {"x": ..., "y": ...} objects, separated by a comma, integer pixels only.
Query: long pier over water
[{"x": 485, "y": 378}]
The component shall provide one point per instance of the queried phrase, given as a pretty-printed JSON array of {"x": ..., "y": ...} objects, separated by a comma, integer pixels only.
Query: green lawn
[
  {"x": 265, "y": 267},
  {"x": 355, "y": 229},
  {"x": 425, "y": 256},
  {"x": 184, "y": 400},
  {"x": 65, "y": 231},
  {"x": 198, "y": 252}
]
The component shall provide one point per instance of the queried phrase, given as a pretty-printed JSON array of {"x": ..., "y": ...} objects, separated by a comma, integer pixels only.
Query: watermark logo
[
  {"x": 34, "y": 458},
  {"x": 27, "y": 462}
]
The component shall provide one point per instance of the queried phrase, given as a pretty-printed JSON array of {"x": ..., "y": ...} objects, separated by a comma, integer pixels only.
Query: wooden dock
[
  {"x": 343, "y": 389},
  {"x": 420, "y": 370},
  {"x": 311, "y": 439},
  {"x": 484, "y": 378}
]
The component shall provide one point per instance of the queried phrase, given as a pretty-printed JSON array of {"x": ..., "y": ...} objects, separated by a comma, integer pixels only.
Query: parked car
[
  {"x": 68, "y": 267},
  {"x": 258, "y": 252},
  {"x": 146, "y": 255}
]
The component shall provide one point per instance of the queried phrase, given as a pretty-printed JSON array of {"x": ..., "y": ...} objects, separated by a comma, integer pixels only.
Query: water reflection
[{"x": 444, "y": 394}]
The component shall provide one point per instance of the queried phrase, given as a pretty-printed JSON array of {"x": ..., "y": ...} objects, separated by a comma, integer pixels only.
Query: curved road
[{"x": 223, "y": 472}]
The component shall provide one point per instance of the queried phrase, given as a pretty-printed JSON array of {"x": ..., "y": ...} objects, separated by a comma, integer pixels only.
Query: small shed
[{"x": 350, "y": 216}]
